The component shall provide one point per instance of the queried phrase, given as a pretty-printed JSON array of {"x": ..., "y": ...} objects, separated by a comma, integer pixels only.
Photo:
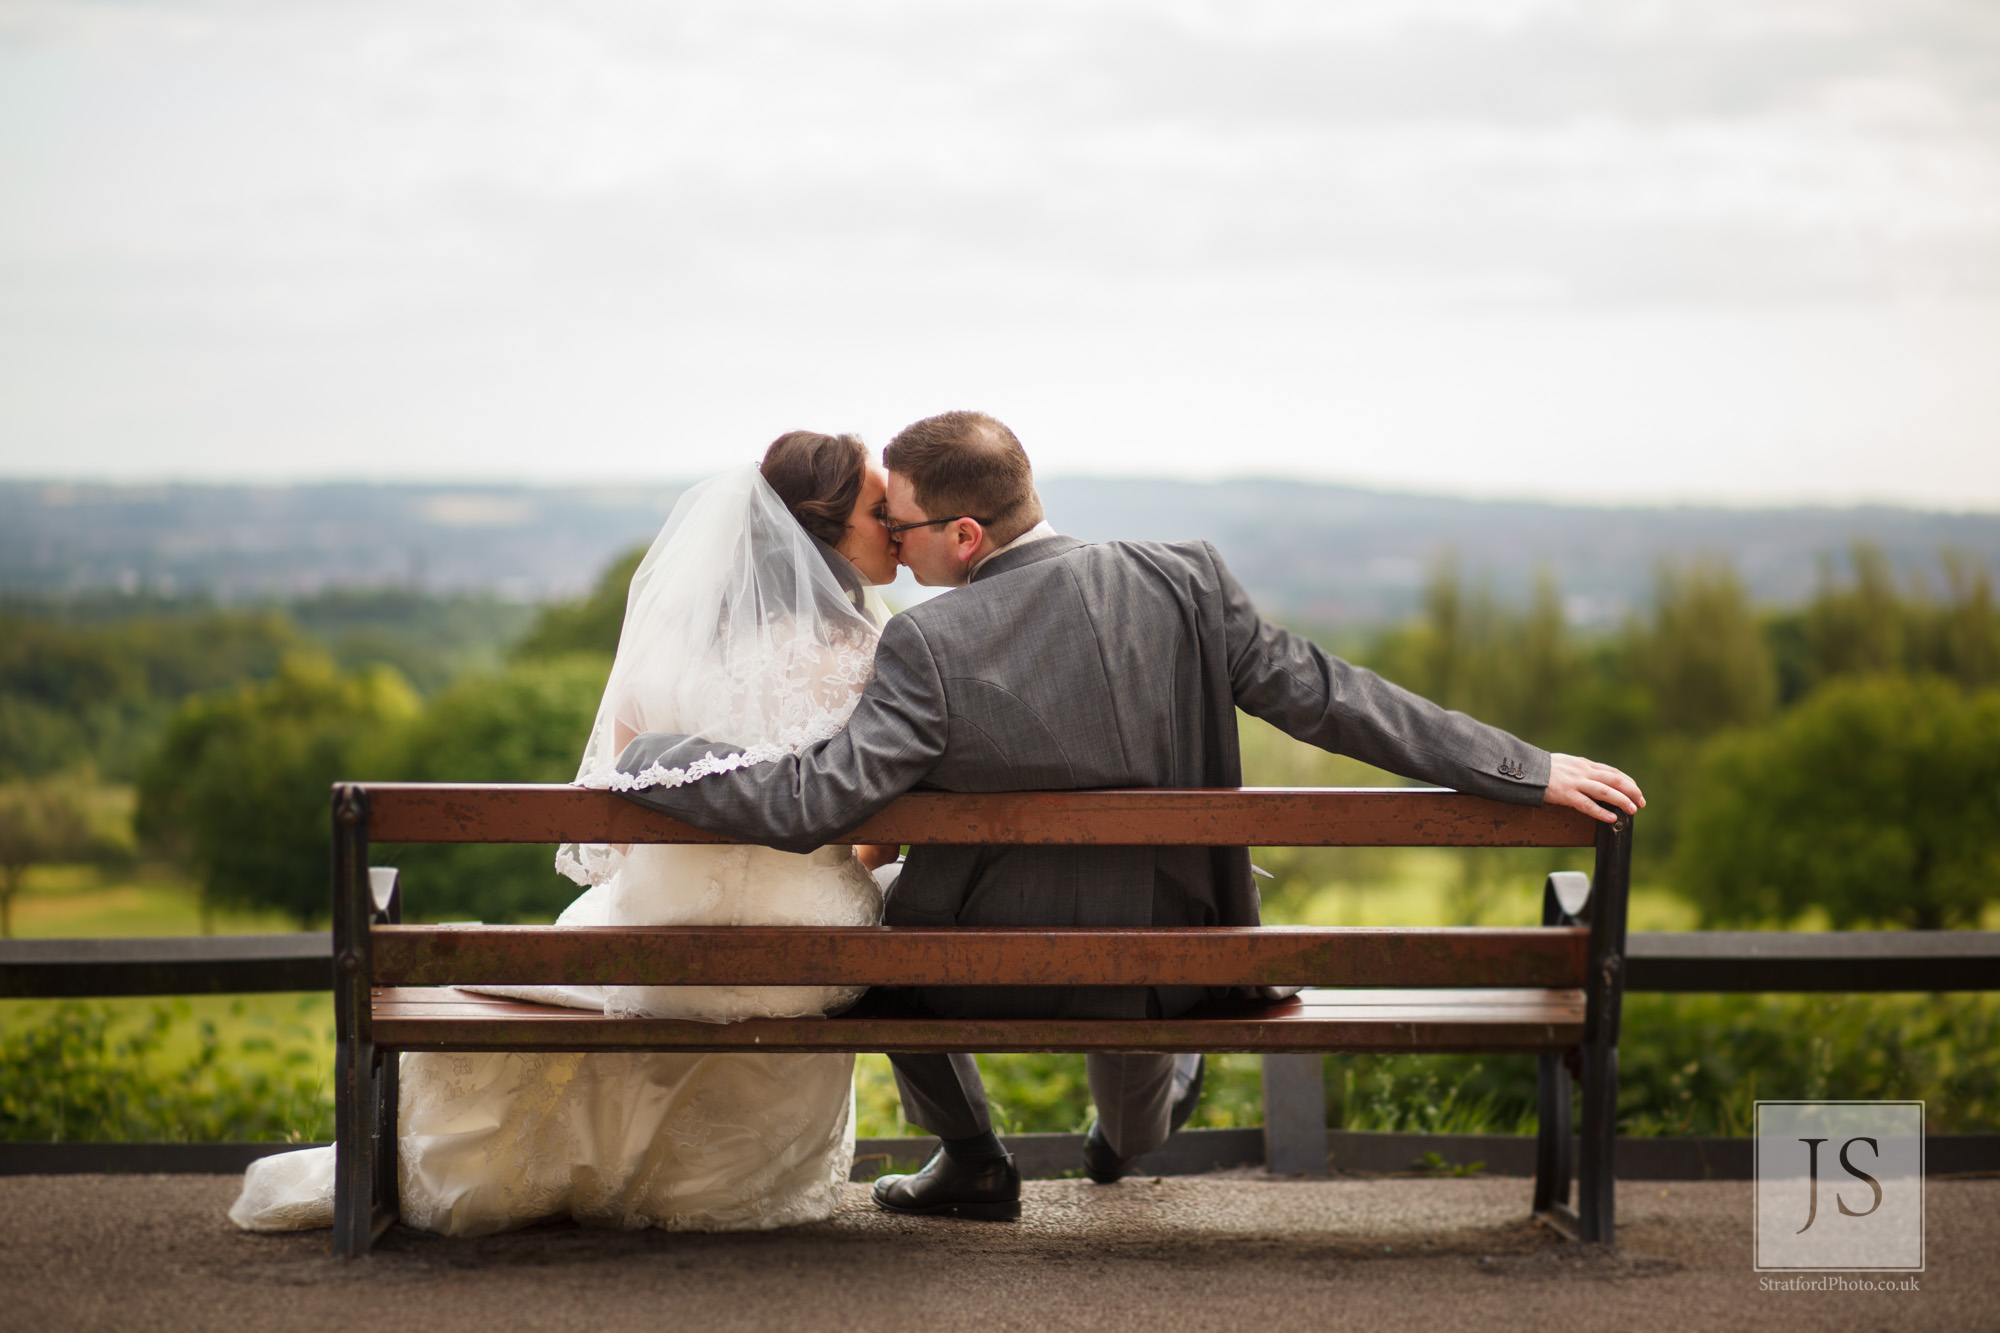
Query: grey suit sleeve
[
  {"x": 1292, "y": 683},
  {"x": 894, "y": 737}
]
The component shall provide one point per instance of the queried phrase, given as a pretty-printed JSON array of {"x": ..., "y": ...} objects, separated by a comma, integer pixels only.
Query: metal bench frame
[{"x": 1483, "y": 989}]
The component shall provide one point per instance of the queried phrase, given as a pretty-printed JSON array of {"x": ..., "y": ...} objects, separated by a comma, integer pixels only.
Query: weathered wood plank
[
  {"x": 1309, "y": 1002},
  {"x": 860, "y": 956},
  {"x": 484, "y": 1023},
  {"x": 1220, "y": 817},
  {"x": 1901, "y": 960},
  {"x": 1491, "y": 1003}
]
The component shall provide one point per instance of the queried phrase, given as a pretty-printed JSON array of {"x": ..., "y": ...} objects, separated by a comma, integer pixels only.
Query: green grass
[
  {"x": 1423, "y": 886},
  {"x": 82, "y": 902}
]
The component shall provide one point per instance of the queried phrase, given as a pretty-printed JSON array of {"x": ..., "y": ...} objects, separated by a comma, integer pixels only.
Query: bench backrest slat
[
  {"x": 967, "y": 956},
  {"x": 1164, "y": 817}
]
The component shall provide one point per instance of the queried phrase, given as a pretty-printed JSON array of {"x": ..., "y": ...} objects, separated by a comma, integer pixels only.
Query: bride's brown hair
[{"x": 818, "y": 477}]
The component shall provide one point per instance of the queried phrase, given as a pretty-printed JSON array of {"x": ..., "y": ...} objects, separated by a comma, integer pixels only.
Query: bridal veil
[{"x": 740, "y": 627}]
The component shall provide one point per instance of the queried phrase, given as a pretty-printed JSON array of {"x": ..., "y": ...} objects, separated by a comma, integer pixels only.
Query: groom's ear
[{"x": 967, "y": 534}]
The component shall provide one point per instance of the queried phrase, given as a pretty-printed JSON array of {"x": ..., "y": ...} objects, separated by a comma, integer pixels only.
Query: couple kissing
[{"x": 759, "y": 691}]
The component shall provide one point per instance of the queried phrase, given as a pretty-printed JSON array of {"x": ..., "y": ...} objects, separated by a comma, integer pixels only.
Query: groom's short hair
[{"x": 968, "y": 463}]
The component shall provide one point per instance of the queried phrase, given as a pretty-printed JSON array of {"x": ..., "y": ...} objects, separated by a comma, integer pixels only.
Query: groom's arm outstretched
[
  {"x": 1292, "y": 683},
  {"x": 894, "y": 737}
]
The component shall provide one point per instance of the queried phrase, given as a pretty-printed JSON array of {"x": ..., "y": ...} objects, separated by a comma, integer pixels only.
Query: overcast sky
[{"x": 1739, "y": 250}]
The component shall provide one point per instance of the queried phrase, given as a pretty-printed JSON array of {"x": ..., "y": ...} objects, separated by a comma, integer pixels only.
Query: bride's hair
[{"x": 818, "y": 477}]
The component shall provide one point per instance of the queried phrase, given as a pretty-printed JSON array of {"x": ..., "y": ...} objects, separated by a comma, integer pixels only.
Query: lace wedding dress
[{"x": 741, "y": 627}]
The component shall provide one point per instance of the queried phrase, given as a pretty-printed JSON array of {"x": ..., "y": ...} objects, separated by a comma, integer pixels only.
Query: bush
[
  {"x": 73, "y": 1072},
  {"x": 1876, "y": 799},
  {"x": 1696, "y": 1064}
]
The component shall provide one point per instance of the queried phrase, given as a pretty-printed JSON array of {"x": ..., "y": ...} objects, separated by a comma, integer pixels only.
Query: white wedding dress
[{"x": 739, "y": 627}]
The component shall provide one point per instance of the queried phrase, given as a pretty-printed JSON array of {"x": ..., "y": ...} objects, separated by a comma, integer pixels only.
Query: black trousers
[{"x": 1135, "y": 1096}]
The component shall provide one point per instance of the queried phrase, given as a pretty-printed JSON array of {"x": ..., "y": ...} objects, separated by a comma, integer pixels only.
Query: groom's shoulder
[
  {"x": 1193, "y": 550},
  {"x": 1180, "y": 561},
  {"x": 1185, "y": 563}
]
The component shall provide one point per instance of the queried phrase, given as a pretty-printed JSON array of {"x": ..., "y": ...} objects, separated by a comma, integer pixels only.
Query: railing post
[
  {"x": 1604, "y": 991},
  {"x": 1295, "y": 1115}
]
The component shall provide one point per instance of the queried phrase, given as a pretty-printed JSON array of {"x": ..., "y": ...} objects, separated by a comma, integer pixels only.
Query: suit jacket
[{"x": 1062, "y": 666}]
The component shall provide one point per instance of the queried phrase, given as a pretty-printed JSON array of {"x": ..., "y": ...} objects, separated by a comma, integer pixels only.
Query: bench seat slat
[
  {"x": 1156, "y": 817},
  {"x": 1453, "y": 957},
  {"x": 1524, "y": 1020}
]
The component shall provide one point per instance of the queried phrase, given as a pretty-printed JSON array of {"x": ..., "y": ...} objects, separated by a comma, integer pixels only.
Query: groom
[{"x": 1062, "y": 665}]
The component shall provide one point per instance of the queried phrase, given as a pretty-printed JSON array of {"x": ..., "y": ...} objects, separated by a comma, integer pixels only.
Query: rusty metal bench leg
[
  {"x": 1565, "y": 902},
  {"x": 1604, "y": 989},
  {"x": 1596, "y": 1176},
  {"x": 364, "y": 1190},
  {"x": 1554, "y": 1148}
]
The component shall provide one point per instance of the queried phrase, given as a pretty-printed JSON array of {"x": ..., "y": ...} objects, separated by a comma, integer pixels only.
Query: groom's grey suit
[{"x": 1062, "y": 666}]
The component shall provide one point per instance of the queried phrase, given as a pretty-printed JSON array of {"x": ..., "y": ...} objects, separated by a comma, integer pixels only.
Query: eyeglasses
[{"x": 898, "y": 529}]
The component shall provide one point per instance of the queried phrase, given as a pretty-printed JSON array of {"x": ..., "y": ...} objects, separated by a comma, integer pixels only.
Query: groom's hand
[{"x": 1583, "y": 784}]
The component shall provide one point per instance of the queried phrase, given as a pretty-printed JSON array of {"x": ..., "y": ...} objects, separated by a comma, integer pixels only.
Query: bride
[{"x": 749, "y": 619}]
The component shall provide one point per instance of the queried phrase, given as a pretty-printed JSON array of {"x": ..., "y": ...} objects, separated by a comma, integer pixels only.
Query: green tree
[
  {"x": 525, "y": 724},
  {"x": 1856, "y": 628},
  {"x": 1695, "y": 663},
  {"x": 1704, "y": 653},
  {"x": 56, "y": 820},
  {"x": 1875, "y": 800},
  {"x": 430, "y": 640},
  {"x": 238, "y": 789},
  {"x": 103, "y": 692},
  {"x": 590, "y": 625},
  {"x": 1960, "y": 638},
  {"x": 1516, "y": 669},
  {"x": 1546, "y": 668},
  {"x": 1513, "y": 668}
]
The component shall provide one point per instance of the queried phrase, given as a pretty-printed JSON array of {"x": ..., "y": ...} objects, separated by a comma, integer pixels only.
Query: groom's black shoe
[
  {"x": 988, "y": 1191},
  {"x": 1100, "y": 1163},
  {"x": 1105, "y": 1166}
]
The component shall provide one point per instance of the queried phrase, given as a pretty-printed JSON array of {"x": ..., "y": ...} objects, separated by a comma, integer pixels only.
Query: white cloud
[{"x": 422, "y": 237}]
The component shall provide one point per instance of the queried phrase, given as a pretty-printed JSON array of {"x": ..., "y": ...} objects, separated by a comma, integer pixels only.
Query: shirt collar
[{"x": 1039, "y": 532}]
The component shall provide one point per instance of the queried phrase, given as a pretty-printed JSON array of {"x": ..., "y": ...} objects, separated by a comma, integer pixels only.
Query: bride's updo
[{"x": 818, "y": 477}]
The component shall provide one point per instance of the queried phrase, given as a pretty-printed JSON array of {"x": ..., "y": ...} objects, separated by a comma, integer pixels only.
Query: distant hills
[
  {"x": 239, "y": 543},
  {"x": 1325, "y": 554},
  {"x": 1339, "y": 554}
]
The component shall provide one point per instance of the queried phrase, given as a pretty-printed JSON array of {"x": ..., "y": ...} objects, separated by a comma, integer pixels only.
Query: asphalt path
[{"x": 1226, "y": 1252}]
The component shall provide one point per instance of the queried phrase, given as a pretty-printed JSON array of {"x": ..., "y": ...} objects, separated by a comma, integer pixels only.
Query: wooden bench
[{"x": 1552, "y": 990}]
